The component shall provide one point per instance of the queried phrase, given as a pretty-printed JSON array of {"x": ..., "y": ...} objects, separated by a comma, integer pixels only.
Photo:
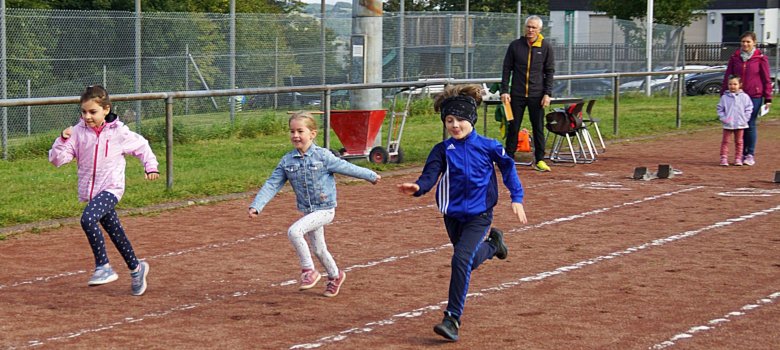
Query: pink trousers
[{"x": 738, "y": 141}]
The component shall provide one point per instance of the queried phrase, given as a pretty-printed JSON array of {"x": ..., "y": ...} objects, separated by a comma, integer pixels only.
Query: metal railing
[{"x": 327, "y": 90}]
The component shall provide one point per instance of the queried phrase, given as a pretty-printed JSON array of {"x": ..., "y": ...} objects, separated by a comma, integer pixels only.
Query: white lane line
[
  {"x": 750, "y": 192},
  {"x": 43, "y": 279},
  {"x": 368, "y": 327},
  {"x": 210, "y": 299},
  {"x": 711, "y": 324}
]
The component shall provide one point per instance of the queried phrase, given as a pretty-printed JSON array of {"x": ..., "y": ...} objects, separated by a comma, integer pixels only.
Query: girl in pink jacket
[
  {"x": 734, "y": 111},
  {"x": 99, "y": 142}
]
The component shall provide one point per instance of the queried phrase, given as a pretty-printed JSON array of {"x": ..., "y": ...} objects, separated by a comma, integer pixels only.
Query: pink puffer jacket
[{"x": 101, "y": 156}]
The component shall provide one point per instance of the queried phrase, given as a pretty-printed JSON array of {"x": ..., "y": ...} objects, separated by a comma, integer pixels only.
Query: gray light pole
[
  {"x": 232, "y": 59},
  {"x": 649, "y": 45},
  {"x": 466, "y": 42},
  {"x": 401, "y": 41},
  {"x": 4, "y": 76},
  {"x": 519, "y": 19},
  {"x": 137, "y": 78}
]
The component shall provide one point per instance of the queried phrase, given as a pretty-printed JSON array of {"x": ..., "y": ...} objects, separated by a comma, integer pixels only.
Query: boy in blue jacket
[{"x": 467, "y": 191}]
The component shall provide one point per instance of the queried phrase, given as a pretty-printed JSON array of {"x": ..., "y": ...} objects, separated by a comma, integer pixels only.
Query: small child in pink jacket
[
  {"x": 99, "y": 142},
  {"x": 734, "y": 111}
]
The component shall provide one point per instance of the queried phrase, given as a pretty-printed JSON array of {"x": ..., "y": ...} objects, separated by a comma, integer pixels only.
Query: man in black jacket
[{"x": 529, "y": 64}]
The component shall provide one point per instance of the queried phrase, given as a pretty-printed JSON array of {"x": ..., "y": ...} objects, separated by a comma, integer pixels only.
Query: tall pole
[
  {"x": 614, "y": 45},
  {"x": 401, "y": 41},
  {"x": 137, "y": 78},
  {"x": 186, "y": 77},
  {"x": 466, "y": 42},
  {"x": 232, "y": 60},
  {"x": 519, "y": 19},
  {"x": 4, "y": 77},
  {"x": 322, "y": 39},
  {"x": 649, "y": 45},
  {"x": 367, "y": 22}
]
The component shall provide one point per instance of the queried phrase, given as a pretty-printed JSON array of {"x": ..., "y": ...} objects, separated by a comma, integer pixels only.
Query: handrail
[
  {"x": 169, "y": 97},
  {"x": 37, "y": 101}
]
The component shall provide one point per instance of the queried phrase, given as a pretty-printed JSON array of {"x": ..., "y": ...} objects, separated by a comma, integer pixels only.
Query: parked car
[
  {"x": 660, "y": 82},
  {"x": 704, "y": 84},
  {"x": 587, "y": 87},
  {"x": 709, "y": 83}
]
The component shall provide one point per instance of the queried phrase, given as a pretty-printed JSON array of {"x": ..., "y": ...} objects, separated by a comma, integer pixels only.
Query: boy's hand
[
  {"x": 517, "y": 208},
  {"x": 408, "y": 188},
  {"x": 67, "y": 132},
  {"x": 152, "y": 176},
  {"x": 253, "y": 213},
  {"x": 377, "y": 179}
]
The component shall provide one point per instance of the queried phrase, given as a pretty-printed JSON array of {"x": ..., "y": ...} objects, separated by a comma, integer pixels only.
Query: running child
[
  {"x": 734, "y": 110},
  {"x": 99, "y": 142},
  {"x": 310, "y": 169},
  {"x": 467, "y": 191}
]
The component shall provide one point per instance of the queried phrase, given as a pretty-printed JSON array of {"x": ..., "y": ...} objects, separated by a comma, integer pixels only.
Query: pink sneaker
[
  {"x": 334, "y": 285},
  {"x": 309, "y": 279},
  {"x": 724, "y": 161},
  {"x": 738, "y": 161}
]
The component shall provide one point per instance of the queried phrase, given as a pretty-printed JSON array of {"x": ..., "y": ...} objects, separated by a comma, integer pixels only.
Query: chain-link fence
[{"x": 58, "y": 53}]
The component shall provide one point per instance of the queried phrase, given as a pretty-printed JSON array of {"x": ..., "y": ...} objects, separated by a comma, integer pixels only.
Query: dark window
[{"x": 734, "y": 25}]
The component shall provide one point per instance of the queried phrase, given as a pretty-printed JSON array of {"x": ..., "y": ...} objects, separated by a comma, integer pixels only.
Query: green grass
[{"x": 213, "y": 157}]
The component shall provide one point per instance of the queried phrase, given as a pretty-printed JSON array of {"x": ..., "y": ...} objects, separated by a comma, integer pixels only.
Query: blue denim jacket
[{"x": 311, "y": 177}]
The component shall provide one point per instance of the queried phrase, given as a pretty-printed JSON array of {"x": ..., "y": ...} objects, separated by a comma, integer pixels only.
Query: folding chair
[
  {"x": 565, "y": 125},
  {"x": 594, "y": 122}
]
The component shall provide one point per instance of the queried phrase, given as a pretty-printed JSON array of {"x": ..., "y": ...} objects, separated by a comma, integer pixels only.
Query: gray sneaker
[
  {"x": 103, "y": 274},
  {"x": 138, "y": 283}
]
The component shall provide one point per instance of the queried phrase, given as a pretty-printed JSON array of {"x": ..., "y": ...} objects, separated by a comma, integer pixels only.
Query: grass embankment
[{"x": 211, "y": 157}]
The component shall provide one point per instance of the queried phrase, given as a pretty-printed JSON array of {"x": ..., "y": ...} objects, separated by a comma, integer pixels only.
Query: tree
[
  {"x": 214, "y": 6},
  {"x": 537, "y": 7},
  {"x": 679, "y": 13}
]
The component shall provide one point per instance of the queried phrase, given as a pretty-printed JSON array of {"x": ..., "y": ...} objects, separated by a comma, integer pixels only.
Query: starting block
[
  {"x": 777, "y": 176},
  {"x": 665, "y": 171}
]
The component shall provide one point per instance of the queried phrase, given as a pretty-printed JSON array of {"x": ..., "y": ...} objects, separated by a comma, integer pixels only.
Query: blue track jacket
[{"x": 467, "y": 178}]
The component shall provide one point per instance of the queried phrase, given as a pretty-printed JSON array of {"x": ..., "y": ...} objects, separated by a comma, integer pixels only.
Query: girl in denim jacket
[
  {"x": 99, "y": 143},
  {"x": 310, "y": 169},
  {"x": 734, "y": 111}
]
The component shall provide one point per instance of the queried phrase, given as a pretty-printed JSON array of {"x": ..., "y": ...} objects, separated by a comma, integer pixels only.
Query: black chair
[
  {"x": 591, "y": 122},
  {"x": 566, "y": 124}
]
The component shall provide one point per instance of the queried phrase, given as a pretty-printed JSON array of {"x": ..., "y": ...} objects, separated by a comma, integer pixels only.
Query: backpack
[{"x": 564, "y": 121}]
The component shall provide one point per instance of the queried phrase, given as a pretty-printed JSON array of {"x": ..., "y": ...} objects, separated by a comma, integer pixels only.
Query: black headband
[{"x": 462, "y": 107}]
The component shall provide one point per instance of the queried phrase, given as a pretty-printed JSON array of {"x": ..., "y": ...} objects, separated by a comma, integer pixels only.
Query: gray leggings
[{"x": 312, "y": 226}]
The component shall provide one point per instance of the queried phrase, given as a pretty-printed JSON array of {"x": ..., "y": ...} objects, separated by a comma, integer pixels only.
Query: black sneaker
[
  {"x": 496, "y": 238},
  {"x": 448, "y": 328}
]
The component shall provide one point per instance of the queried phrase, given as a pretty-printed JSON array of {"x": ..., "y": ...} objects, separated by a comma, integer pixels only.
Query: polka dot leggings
[
  {"x": 101, "y": 210},
  {"x": 312, "y": 226}
]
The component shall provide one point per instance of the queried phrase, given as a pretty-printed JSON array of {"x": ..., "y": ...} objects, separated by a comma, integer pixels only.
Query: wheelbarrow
[{"x": 357, "y": 130}]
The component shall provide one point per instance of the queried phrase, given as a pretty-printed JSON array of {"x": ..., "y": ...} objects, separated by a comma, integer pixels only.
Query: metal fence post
[
  {"x": 680, "y": 84},
  {"x": 186, "y": 77},
  {"x": 137, "y": 77},
  {"x": 29, "y": 108},
  {"x": 4, "y": 77},
  {"x": 169, "y": 142},
  {"x": 232, "y": 60},
  {"x": 616, "y": 98}
]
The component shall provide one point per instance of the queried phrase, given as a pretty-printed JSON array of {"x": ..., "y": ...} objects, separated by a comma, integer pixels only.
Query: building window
[{"x": 734, "y": 25}]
